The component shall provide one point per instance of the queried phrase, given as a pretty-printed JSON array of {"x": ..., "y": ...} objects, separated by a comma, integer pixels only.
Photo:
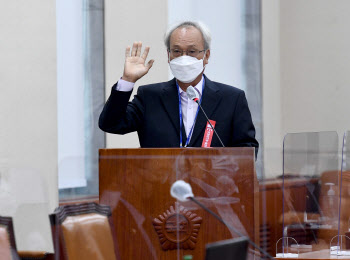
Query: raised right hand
[{"x": 134, "y": 67}]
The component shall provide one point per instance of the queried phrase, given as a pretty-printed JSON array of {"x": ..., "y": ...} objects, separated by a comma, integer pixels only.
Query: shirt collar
[{"x": 198, "y": 87}]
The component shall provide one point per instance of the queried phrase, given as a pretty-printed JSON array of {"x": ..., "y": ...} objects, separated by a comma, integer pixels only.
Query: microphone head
[
  {"x": 181, "y": 190},
  {"x": 192, "y": 93}
]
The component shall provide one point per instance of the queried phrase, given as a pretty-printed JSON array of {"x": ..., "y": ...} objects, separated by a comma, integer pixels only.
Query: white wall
[
  {"x": 28, "y": 132},
  {"x": 315, "y": 62},
  {"x": 272, "y": 133},
  {"x": 127, "y": 21},
  {"x": 306, "y": 77}
]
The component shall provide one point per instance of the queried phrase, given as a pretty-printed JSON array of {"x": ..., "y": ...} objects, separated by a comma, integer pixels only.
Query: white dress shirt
[{"x": 188, "y": 106}]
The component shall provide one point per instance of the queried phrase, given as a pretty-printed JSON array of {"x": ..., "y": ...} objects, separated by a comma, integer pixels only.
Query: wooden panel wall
[{"x": 271, "y": 208}]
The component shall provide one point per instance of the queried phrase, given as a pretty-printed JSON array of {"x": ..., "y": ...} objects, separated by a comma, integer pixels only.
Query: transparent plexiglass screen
[
  {"x": 151, "y": 224},
  {"x": 310, "y": 191},
  {"x": 24, "y": 198},
  {"x": 344, "y": 213}
]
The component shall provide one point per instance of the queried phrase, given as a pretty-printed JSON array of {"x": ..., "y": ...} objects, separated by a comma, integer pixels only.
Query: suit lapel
[
  {"x": 211, "y": 98},
  {"x": 170, "y": 100}
]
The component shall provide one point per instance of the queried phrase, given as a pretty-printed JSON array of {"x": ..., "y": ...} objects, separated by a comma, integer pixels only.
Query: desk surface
[{"x": 322, "y": 254}]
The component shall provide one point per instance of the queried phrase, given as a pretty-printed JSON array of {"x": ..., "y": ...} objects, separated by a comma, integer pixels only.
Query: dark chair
[
  {"x": 8, "y": 249},
  {"x": 35, "y": 255},
  {"x": 83, "y": 231}
]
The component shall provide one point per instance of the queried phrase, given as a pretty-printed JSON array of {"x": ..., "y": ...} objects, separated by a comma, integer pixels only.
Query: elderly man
[{"x": 163, "y": 114}]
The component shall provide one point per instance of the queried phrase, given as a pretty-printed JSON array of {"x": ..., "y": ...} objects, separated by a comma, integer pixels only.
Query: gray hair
[{"x": 200, "y": 26}]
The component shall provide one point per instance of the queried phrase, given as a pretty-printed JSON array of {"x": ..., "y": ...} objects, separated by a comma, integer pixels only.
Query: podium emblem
[{"x": 177, "y": 228}]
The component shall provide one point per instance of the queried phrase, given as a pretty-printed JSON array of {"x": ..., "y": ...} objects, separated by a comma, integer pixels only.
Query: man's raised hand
[{"x": 135, "y": 67}]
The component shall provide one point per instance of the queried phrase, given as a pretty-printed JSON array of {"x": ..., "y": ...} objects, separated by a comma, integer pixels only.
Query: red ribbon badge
[{"x": 208, "y": 135}]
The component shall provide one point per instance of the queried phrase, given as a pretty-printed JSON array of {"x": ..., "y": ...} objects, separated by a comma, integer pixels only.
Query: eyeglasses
[{"x": 178, "y": 53}]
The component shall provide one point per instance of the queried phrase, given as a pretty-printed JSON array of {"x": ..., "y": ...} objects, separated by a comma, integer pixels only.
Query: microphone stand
[
  {"x": 196, "y": 100},
  {"x": 231, "y": 228}
]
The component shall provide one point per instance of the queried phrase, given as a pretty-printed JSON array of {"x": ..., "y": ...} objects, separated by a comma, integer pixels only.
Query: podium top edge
[{"x": 247, "y": 151}]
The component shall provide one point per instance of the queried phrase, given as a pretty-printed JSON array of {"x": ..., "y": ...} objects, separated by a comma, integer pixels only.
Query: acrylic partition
[
  {"x": 341, "y": 244},
  {"x": 310, "y": 209},
  {"x": 24, "y": 197},
  {"x": 150, "y": 224}
]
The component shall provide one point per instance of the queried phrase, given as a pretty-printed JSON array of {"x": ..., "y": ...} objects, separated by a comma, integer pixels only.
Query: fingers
[
  {"x": 138, "y": 50},
  {"x": 127, "y": 52},
  {"x": 150, "y": 64},
  {"x": 145, "y": 53},
  {"x": 134, "y": 49}
]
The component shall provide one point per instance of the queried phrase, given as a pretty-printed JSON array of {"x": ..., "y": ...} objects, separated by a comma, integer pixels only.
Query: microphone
[
  {"x": 193, "y": 95},
  {"x": 182, "y": 191}
]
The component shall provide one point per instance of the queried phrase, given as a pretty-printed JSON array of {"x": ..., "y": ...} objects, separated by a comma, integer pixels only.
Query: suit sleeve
[
  {"x": 119, "y": 116},
  {"x": 243, "y": 127}
]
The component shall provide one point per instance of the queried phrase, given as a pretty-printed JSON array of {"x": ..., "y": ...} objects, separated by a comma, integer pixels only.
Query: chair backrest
[
  {"x": 83, "y": 231},
  {"x": 8, "y": 249}
]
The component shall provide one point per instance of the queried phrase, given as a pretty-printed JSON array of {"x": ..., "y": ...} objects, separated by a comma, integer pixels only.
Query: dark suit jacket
[{"x": 154, "y": 114}]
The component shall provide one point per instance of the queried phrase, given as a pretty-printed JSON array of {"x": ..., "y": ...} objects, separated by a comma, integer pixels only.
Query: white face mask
[{"x": 186, "y": 68}]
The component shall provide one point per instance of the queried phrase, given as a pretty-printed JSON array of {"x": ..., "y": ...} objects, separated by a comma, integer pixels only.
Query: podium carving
[{"x": 177, "y": 226}]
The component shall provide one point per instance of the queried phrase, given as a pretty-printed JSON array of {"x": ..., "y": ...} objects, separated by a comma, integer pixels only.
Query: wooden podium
[{"x": 150, "y": 224}]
